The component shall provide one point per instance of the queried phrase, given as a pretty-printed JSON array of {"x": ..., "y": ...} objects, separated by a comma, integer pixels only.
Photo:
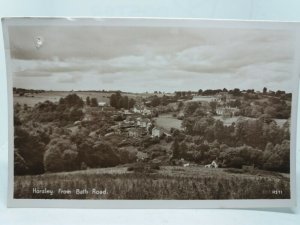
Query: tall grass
[{"x": 152, "y": 186}]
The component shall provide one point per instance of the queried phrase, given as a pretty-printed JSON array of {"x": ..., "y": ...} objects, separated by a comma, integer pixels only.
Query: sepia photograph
[{"x": 167, "y": 111}]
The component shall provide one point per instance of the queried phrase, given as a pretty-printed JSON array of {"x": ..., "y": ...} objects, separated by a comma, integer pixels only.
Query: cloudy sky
[{"x": 144, "y": 59}]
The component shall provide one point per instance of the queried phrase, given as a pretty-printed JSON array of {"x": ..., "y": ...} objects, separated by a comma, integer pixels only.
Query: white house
[
  {"x": 102, "y": 104},
  {"x": 146, "y": 112},
  {"x": 227, "y": 111},
  {"x": 142, "y": 110},
  {"x": 137, "y": 109},
  {"x": 136, "y": 132},
  {"x": 156, "y": 132}
]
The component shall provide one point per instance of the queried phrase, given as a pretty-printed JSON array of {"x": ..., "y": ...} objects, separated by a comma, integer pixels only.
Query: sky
[{"x": 148, "y": 59}]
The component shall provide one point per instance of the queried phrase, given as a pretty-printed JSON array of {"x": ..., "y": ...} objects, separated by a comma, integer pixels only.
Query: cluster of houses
[
  {"x": 136, "y": 126},
  {"x": 222, "y": 98},
  {"x": 227, "y": 111}
]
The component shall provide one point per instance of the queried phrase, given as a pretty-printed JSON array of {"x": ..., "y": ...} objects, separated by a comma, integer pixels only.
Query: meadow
[
  {"x": 167, "y": 122},
  {"x": 170, "y": 182},
  {"x": 54, "y": 96}
]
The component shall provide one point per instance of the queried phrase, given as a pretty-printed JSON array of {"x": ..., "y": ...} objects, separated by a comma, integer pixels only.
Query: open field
[
  {"x": 167, "y": 121},
  {"x": 229, "y": 120},
  {"x": 54, "y": 96},
  {"x": 174, "y": 182}
]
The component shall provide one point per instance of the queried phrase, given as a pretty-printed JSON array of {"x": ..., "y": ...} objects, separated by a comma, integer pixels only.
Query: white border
[{"x": 151, "y": 22}]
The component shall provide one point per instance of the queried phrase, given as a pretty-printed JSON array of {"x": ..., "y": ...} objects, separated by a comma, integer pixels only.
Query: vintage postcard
[{"x": 163, "y": 111}]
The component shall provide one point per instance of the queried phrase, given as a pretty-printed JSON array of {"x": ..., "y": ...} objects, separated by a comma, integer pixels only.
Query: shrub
[
  {"x": 20, "y": 167},
  {"x": 30, "y": 150},
  {"x": 99, "y": 154},
  {"x": 127, "y": 155},
  {"x": 61, "y": 155}
]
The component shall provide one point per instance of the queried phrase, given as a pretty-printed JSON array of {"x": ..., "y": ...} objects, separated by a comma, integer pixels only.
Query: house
[
  {"x": 102, "y": 104},
  {"x": 129, "y": 122},
  {"x": 136, "y": 132},
  {"x": 142, "y": 110},
  {"x": 142, "y": 122},
  {"x": 137, "y": 109},
  {"x": 146, "y": 112},
  {"x": 157, "y": 132},
  {"x": 227, "y": 111},
  {"x": 223, "y": 96},
  {"x": 126, "y": 112},
  {"x": 212, "y": 165}
]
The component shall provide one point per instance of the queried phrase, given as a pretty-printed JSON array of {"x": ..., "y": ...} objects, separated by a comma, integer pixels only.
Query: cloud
[{"x": 137, "y": 59}]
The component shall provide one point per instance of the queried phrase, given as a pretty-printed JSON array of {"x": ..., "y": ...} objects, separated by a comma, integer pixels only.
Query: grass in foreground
[{"x": 168, "y": 183}]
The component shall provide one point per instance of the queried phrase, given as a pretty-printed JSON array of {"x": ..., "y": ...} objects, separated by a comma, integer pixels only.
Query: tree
[
  {"x": 125, "y": 102},
  {"x": 175, "y": 149},
  {"x": 98, "y": 154},
  {"x": 213, "y": 106},
  {"x": 88, "y": 101},
  {"x": 131, "y": 103},
  {"x": 264, "y": 90},
  {"x": 20, "y": 167},
  {"x": 72, "y": 100},
  {"x": 155, "y": 101},
  {"x": 118, "y": 101},
  {"x": 236, "y": 92},
  {"x": 190, "y": 107},
  {"x": 219, "y": 132},
  {"x": 61, "y": 155},
  {"x": 113, "y": 100},
  {"x": 29, "y": 151},
  {"x": 94, "y": 102},
  {"x": 178, "y": 94}
]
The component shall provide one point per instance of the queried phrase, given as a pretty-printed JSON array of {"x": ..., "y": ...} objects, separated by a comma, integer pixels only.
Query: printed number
[{"x": 277, "y": 192}]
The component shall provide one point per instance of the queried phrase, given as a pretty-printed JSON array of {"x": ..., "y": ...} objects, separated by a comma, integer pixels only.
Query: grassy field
[
  {"x": 54, "y": 96},
  {"x": 167, "y": 121},
  {"x": 170, "y": 182},
  {"x": 229, "y": 120}
]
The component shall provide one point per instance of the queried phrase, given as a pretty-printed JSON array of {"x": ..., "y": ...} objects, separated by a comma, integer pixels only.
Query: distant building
[
  {"x": 224, "y": 97},
  {"x": 200, "y": 98},
  {"x": 137, "y": 109},
  {"x": 146, "y": 112},
  {"x": 142, "y": 122},
  {"x": 227, "y": 111},
  {"x": 142, "y": 110},
  {"x": 127, "y": 112},
  {"x": 157, "y": 132},
  {"x": 102, "y": 104},
  {"x": 136, "y": 132}
]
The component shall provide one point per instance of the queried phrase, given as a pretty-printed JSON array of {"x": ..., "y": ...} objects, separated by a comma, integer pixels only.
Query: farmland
[
  {"x": 167, "y": 121},
  {"x": 54, "y": 96},
  {"x": 167, "y": 183}
]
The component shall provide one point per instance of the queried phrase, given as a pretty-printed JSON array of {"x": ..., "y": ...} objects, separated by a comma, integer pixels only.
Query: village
[
  {"x": 182, "y": 128},
  {"x": 139, "y": 121}
]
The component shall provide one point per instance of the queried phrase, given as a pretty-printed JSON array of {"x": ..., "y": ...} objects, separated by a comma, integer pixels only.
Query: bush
[
  {"x": 99, "y": 154},
  {"x": 30, "y": 150},
  {"x": 127, "y": 155},
  {"x": 61, "y": 155},
  {"x": 20, "y": 167}
]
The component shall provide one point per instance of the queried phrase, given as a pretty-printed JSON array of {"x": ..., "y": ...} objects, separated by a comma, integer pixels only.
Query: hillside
[{"x": 169, "y": 182}]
